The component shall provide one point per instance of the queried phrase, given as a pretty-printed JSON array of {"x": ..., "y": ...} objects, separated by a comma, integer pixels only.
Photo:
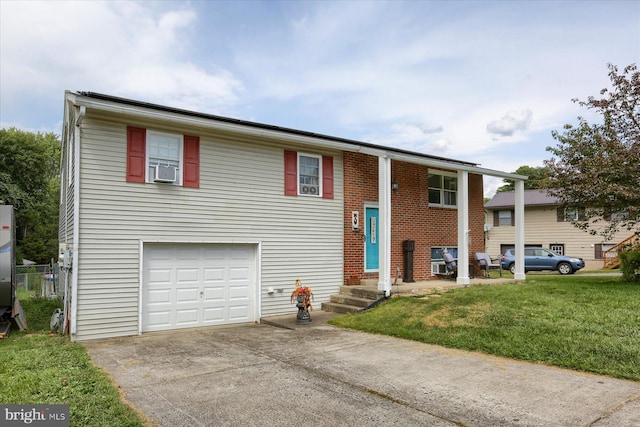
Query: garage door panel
[
  {"x": 188, "y": 285},
  {"x": 214, "y": 274},
  {"x": 160, "y": 275},
  {"x": 240, "y": 253},
  {"x": 187, "y": 275},
  {"x": 162, "y": 254},
  {"x": 188, "y": 295},
  {"x": 187, "y": 317},
  {"x": 188, "y": 252},
  {"x": 160, "y": 320},
  {"x": 238, "y": 292},
  {"x": 236, "y": 273},
  {"x": 160, "y": 296},
  {"x": 239, "y": 312},
  {"x": 214, "y": 293},
  {"x": 214, "y": 315},
  {"x": 215, "y": 253}
]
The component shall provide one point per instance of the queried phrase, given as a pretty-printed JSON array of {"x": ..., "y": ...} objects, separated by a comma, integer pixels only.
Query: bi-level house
[
  {"x": 548, "y": 225},
  {"x": 175, "y": 219}
]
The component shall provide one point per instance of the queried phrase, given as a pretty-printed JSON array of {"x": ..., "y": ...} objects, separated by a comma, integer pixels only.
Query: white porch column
[
  {"x": 384, "y": 234},
  {"x": 463, "y": 228},
  {"x": 519, "y": 230}
]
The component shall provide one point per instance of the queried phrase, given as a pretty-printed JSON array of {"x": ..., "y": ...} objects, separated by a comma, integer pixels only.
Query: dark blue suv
[{"x": 538, "y": 259}]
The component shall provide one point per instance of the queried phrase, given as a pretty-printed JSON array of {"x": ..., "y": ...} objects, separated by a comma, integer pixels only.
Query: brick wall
[{"x": 411, "y": 216}]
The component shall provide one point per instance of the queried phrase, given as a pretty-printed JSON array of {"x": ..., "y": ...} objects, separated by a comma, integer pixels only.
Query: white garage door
[{"x": 190, "y": 285}]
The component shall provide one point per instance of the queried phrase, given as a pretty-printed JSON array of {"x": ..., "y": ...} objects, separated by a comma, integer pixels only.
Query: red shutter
[
  {"x": 136, "y": 152},
  {"x": 290, "y": 173},
  {"x": 191, "y": 162},
  {"x": 327, "y": 177}
]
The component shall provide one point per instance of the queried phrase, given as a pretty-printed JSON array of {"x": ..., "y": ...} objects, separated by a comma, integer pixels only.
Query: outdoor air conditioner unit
[
  {"x": 165, "y": 173},
  {"x": 438, "y": 268},
  {"x": 309, "y": 189}
]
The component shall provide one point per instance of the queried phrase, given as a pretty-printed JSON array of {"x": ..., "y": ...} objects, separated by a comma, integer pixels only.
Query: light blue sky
[{"x": 480, "y": 81}]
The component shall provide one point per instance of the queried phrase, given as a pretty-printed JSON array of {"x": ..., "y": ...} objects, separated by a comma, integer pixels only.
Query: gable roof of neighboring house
[
  {"x": 506, "y": 199},
  {"x": 115, "y": 104}
]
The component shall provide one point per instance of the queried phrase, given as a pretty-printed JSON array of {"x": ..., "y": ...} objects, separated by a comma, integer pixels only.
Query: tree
[
  {"x": 29, "y": 180},
  {"x": 597, "y": 166},
  {"x": 536, "y": 178}
]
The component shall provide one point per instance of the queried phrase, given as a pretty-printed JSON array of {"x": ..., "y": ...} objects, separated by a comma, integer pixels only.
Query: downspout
[{"x": 76, "y": 223}]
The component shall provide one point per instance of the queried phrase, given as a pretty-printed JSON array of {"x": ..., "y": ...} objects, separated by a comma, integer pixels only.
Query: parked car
[{"x": 538, "y": 259}]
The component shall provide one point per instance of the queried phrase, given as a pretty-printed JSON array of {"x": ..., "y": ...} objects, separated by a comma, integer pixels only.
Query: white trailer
[{"x": 10, "y": 309}]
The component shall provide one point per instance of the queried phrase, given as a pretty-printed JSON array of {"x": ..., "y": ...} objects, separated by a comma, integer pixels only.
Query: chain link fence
[{"x": 39, "y": 279}]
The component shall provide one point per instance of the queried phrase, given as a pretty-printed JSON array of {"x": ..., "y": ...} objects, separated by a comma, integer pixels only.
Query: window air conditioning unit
[
  {"x": 438, "y": 269},
  {"x": 309, "y": 189},
  {"x": 165, "y": 173}
]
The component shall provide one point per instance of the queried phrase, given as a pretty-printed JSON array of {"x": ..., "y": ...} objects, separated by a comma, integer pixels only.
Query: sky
[{"x": 480, "y": 81}]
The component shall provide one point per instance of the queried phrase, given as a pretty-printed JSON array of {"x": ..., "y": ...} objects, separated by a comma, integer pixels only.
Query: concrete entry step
[
  {"x": 368, "y": 292},
  {"x": 333, "y": 307},
  {"x": 352, "y": 299}
]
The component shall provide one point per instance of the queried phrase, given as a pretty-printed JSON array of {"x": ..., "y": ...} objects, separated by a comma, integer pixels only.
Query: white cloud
[
  {"x": 510, "y": 123},
  {"x": 423, "y": 76},
  {"x": 120, "y": 48}
]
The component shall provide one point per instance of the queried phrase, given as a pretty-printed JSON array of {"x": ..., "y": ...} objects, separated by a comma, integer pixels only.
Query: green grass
[
  {"x": 590, "y": 324},
  {"x": 36, "y": 368}
]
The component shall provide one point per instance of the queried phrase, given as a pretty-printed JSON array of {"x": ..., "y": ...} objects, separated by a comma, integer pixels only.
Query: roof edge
[{"x": 356, "y": 145}]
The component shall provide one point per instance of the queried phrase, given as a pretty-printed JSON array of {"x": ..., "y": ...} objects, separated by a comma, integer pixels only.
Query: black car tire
[
  {"x": 512, "y": 268},
  {"x": 565, "y": 268}
]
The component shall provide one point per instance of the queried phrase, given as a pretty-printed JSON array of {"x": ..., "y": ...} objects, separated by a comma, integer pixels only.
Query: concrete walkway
[{"x": 319, "y": 375}]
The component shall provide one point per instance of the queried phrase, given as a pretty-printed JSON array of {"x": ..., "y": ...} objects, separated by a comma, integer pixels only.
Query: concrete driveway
[{"x": 262, "y": 375}]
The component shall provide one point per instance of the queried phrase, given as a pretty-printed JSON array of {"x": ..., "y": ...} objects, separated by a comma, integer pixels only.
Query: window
[
  {"x": 437, "y": 259},
  {"x": 163, "y": 150},
  {"x": 309, "y": 175},
  {"x": 503, "y": 218},
  {"x": 443, "y": 189},
  {"x": 600, "y": 248},
  {"x": 566, "y": 214},
  {"x": 571, "y": 214},
  {"x": 158, "y": 157},
  {"x": 557, "y": 248}
]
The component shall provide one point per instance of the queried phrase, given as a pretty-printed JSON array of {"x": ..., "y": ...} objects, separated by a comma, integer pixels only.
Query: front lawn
[
  {"x": 590, "y": 324},
  {"x": 36, "y": 368}
]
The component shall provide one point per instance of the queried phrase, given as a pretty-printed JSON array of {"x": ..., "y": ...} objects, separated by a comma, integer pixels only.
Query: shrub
[{"x": 630, "y": 265}]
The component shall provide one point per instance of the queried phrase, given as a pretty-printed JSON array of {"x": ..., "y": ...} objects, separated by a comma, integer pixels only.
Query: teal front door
[{"x": 371, "y": 247}]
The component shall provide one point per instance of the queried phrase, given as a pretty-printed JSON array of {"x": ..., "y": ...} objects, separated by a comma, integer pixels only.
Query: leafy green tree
[
  {"x": 29, "y": 180},
  {"x": 597, "y": 166},
  {"x": 536, "y": 178}
]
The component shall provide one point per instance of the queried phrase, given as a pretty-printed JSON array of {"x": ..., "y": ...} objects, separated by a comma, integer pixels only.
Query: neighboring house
[
  {"x": 173, "y": 219},
  {"x": 547, "y": 224}
]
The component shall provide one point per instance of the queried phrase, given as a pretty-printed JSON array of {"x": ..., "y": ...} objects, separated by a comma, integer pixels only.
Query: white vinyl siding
[{"x": 240, "y": 200}]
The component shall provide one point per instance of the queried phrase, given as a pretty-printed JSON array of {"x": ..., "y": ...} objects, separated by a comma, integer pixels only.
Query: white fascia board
[
  {"x": 454, "y": 166},
  {"x": 300, "y": 139},
  {"x": 149, "y": 113}
]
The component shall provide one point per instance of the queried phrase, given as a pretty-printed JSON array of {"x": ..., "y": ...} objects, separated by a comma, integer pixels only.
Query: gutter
[{"x": 190, "y": 118}]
